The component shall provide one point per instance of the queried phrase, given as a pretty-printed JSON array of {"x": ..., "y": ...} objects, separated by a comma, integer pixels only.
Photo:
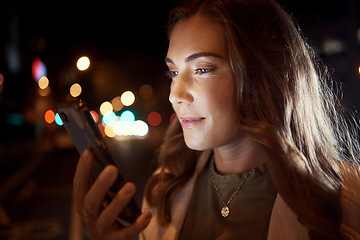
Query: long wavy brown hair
[{"x": 287, "y": 104}]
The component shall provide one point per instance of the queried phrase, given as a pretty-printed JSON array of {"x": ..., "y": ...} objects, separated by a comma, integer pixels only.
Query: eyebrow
[{"x": 196, "y": 56}]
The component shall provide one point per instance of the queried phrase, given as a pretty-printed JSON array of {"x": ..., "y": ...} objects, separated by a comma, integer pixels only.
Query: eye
[
  {"x": 203, "y": 70},
  {"x": 171, "y": 74}
]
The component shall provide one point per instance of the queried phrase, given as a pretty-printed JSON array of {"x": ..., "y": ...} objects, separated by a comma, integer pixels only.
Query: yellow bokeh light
[
  {"x": 75, "y": 90},
  {"x": 109, "y": 131},
  {"x": 116, "y": 103},
  {"x": 83, "y": 63},
  {"x": 105, "y": 107},
  {"x": 43, "y": 82},
  {"x": 127, "y": 98}
]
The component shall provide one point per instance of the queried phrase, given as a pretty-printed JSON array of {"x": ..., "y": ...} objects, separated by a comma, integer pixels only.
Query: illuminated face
[{"x": 203, "y": 85}]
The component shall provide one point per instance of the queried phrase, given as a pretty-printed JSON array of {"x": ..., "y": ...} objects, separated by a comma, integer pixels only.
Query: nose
[{"x": 180, "y": 91}]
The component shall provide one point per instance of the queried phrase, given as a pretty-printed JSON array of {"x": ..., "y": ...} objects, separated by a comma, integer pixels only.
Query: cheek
[
  {"x": 223, "y": 103},
  {"x": 221, "y": 125}
]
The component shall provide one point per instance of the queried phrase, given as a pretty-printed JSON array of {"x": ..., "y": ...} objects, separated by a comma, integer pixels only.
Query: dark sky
[{"x": 127, "y": 43}]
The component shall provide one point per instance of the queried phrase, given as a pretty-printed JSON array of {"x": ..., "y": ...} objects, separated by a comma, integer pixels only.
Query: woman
[{"x": 258, "y": 149}]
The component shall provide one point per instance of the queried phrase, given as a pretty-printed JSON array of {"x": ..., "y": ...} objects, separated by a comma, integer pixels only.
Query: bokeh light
[
  {"x": 154, "y": 118},
  {"x": 109, "y": 131},
  {"x": 83, "y": 63},
  {"x": 43, "y": 82},
  {"x": 1, "y": 82},
  {"x": 38, "y": 69},
  {"x": 58, "y": 119},
  {"x": 105, "y": 107},
  {"x": 123, "y": 128},
  {"x": 109, "y": 118},
  {"x": 1, "y": 79},
  {"x": 102, "y": 129},
  {"x": 116, "y": 103},
  {"x": 172, "y": 117},
  {"x": 140, "y": 128},
  {"x": 49, "y": 116},
  {"x": 127, "y": 98},
  {"x": 94, "y": 115},
  {"x": 137, "y": 128},
  {"x": 15, "y": 119},
  {"x": 75, "y": 90},
  {"x": 146, "y": 91},
  {"x": 127, "y": 116}
]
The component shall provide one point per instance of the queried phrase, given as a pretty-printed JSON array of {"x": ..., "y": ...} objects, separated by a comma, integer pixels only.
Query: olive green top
[{"x": 250, "y": 208}]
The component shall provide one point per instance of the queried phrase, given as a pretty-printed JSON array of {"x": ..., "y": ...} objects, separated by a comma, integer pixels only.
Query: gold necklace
[{"x": 225, "y": 210}]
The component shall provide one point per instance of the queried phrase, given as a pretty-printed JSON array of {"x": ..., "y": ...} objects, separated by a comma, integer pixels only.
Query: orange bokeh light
[{"x": 49, "y": 116}]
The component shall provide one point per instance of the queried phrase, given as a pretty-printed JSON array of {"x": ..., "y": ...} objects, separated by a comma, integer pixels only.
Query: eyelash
[
  {"x": 200, "y": 71},
  {"x": 203, "y": 70},
  {"x": 171, "y": 74}
]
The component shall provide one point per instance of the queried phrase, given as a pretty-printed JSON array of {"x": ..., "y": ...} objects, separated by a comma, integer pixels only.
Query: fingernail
[
  {"x": 151, "y": 211},
  {"x": 110, "y": 172},
  {"x": 86, "y": 154},
  {"x": 147, "y": 215},
  {"x": 129, "y": 189}
]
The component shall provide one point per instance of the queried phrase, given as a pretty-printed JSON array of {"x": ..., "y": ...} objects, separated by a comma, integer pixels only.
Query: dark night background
[{"x": 126, "y": 44}]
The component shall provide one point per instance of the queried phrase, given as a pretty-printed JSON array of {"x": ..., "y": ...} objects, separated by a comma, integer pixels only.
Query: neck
[{"x": 242, "y": 156}]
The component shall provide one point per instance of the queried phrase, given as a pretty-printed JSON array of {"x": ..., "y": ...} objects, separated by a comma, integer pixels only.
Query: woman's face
[{"x": 203, "y": 85}]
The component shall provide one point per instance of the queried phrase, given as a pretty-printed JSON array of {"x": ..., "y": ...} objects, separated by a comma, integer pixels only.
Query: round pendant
[{"x": 225, "y": 211}]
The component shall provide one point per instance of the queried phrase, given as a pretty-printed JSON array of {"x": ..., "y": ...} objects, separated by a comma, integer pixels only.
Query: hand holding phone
[
  {"x": 102, "y": 223},
  {"x": 96, "y": 161}
]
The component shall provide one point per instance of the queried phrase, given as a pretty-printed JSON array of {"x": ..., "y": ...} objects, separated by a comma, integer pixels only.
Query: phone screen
[{"x": 86, "y": 135}]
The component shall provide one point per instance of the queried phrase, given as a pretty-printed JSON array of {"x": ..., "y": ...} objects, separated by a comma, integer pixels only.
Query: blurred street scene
[{"x": 112, "y": 57}]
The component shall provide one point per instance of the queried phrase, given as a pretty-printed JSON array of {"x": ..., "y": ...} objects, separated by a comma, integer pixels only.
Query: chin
[{"x": 196, "y": 144}]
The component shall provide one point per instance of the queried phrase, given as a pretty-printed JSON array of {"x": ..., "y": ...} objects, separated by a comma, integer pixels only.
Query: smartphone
[{"x": 86, "y": 135}]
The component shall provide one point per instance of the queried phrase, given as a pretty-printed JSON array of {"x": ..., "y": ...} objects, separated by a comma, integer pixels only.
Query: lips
[{"x": 190, "y": 122}]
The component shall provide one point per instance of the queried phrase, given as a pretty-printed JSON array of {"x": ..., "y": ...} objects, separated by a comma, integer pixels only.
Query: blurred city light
[
  {"x": 127, "y": 116},
  {"x": 105, "y": 107},
  {"x": 102, "y": 129},
  {"x": 43, "y": 82},
  {"x": 140, "y": 128},
  {"x": 136, "y": 128},
  {"x": 121, "y": 128},
  {"x": 333, "y": 46},
  {"x": 154, "y": 118},
  {"x": 146, "y": 91},
  {"x": 58, "y": 119},
  {"x": 1, "y": 82},
  {"x": 15, "y": 119},
  {"x": 38, "y": 69},
  {"x": 109, "y": 131},
  {"x": 83, "y": 63},
  {"x": 49, "y": 116},
  {"x": 172, "y": 117},
  {"x": 75, "y": 90},
  {"x": 109, "y": 118},
  {"x": 116, "y": 103},
  {"x": 95, "y": 116},
  {"x": 127, "y": 98}
]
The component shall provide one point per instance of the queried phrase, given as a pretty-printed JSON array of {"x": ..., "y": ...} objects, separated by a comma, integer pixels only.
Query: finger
[
  {"x": 97, "y": 192},
  {"x": 81, "y": 179},
  {"x": 119, "y": 202},
  {"x": 134, "y": 229}
]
